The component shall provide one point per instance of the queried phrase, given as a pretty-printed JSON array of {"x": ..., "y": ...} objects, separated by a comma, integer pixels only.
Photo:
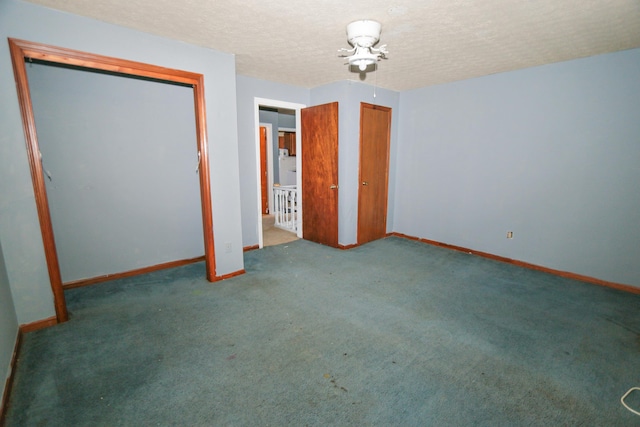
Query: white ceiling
[{"x": 429, "y": 41}]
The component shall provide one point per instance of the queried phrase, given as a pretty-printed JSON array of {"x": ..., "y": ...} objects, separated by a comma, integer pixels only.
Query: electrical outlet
[
  {"x": 509, "y": 234},
  {"x": 227, "y": 247}
]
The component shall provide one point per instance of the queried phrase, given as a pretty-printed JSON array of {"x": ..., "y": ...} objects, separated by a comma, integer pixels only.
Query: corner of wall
[{"x": 9, "y": 334}]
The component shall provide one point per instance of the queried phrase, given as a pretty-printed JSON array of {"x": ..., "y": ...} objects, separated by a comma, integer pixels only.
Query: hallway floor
[{"x": 273, "y": 235}]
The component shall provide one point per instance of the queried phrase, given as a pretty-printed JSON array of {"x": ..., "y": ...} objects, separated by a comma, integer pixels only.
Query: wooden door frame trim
[
  {"x": 364, "y": 105},
  {"x": 21, "y": 50},
  {"x": 270, "y": 161},
  {"x": 264, "y": 192}
]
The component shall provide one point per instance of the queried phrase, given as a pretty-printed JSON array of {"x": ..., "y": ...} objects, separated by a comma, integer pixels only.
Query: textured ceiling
[{"x": 429, "y": 42}]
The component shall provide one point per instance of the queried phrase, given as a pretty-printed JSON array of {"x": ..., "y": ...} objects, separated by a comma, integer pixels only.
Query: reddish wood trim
[
  {"x": 21, "y": 49},
  {"x": 8, "y": 385},
  {"x": 229, "y": 275},
  {"x": 78, "y": 58},
  {"x": 567, "y": 274},
  {"x": 205, "y": 182},
  {"x": 264, "y": 172},
  {"x": 130, "y": 273},
  {"x": 37, "y": 178},
  {"x": 346, "y": 247},
  {"x": 250, "y": 248},
  {"x": 404, "y": 236},
  {"x": 39, "y": 324}
]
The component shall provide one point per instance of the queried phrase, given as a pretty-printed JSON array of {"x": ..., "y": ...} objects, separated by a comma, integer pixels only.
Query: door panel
[
  {"x": 320, "y": 173},
  {"x": 263, "y": 170},
  {"x": 375, "y": 129}
]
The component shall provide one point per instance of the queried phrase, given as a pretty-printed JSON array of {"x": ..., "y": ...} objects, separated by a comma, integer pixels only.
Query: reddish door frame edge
[{"x": 20, "y": 50}]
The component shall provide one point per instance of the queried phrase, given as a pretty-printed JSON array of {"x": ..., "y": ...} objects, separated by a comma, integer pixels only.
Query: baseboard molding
[
  {"x": 347, "y": 247},
  {"x": 229, "y": 275},
  {"x": 567, "y": 274},
  {"x": 136, "y": 272},
  {"x": 22, "y": 329},
  {"x": 250, "y": 248},
  {"x": 4, "y": 404},
  {"x": 38, "y": 324}
]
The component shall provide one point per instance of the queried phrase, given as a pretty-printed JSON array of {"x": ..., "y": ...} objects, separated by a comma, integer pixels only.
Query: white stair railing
[{"x": 285, "y": 198}]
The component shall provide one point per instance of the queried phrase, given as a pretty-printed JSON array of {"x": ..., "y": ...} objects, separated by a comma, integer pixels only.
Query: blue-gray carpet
[{"x": 394, "y": 332}]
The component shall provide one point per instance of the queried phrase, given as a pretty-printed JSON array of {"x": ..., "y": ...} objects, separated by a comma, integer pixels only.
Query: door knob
[
  {"x": 365, "y": 183},
  {"x": 333, "y": 187}
]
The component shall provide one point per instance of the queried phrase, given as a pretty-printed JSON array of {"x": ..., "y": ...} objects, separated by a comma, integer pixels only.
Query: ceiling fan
[{"x": 363, "y": 35}]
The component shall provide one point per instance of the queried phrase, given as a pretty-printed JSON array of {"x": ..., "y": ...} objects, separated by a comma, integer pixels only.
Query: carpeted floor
[
  {"x": 394, "y": 332},
  {"x": 272, "y": 235}
]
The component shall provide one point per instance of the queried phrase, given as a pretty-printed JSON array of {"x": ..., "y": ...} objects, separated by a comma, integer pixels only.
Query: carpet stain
[{"x": 335, "y": 383}]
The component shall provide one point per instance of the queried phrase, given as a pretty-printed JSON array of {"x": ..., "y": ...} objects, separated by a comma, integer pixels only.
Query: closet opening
[{"x": 23, "y": 53}]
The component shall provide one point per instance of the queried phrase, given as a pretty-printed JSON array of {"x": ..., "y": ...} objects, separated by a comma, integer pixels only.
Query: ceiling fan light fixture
[
  {"x": 363, "y": 35},
  {"x": 362, "y": 58}
]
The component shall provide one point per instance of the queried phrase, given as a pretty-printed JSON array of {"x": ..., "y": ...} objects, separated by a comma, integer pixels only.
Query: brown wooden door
[
  {"x": 375, "y": 131},
  {"x": 263, "y": 170},
  {"x": 320, "y": 173}
]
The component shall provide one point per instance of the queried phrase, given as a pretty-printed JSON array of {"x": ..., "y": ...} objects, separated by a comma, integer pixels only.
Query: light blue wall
[
  {"x": 350, "y": 95},
  {"x": 551, "y": 153},
  {"x": 19, "y": 228},
  {"x": 286, "y": 120},
  {"x": 121, "y": 153},
  {"x": 8, "y": 326},
  {"x": 248, "y": 89}
]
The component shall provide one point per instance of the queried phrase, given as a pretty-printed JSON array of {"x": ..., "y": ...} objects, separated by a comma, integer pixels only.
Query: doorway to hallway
[{"x": 268, "y": 113}]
